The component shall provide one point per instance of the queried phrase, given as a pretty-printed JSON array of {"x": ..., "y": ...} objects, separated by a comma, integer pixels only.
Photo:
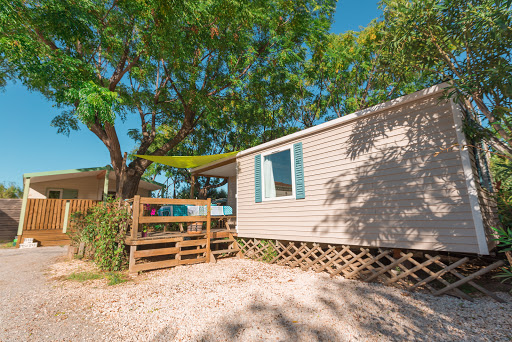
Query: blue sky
[{"x": 29, "y": 144}]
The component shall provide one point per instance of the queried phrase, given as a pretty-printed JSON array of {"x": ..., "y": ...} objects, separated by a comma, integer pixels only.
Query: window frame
[
  {"x": 292, "y": 168},
  {"x": 61, "y": 191}
]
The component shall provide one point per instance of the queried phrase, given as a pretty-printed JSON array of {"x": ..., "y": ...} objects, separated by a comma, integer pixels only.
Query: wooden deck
[
  {"x": 172, "y": 248},
  {"x": 47, "y": 220}
]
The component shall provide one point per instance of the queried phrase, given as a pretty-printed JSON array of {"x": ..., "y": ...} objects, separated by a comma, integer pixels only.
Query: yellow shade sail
[{"x": 186, "y": 162}]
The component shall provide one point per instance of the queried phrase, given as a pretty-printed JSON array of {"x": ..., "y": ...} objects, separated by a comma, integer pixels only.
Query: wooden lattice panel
[{"x": 390, "y": 267}]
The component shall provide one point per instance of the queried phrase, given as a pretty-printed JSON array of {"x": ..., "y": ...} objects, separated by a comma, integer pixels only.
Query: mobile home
[{"x": 399, "y": 174}]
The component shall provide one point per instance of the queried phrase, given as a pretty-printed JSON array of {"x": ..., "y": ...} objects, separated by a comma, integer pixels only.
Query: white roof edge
[
  {"x": 350, "y": 117},
  {"x": 213, "y": 163}
]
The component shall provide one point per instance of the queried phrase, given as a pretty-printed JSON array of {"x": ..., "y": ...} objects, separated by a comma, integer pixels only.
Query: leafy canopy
[{"x": 177, "y": 64}]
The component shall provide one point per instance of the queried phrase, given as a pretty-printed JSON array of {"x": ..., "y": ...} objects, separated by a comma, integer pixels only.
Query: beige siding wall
[
  {"x": 88, "y": 187},
  {"x": 375, "y": 181}
]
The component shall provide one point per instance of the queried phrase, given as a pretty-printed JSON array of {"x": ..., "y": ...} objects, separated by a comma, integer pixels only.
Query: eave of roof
[
  {"x": 72, "y": 171},
  {"x": 65, "y": 172}
]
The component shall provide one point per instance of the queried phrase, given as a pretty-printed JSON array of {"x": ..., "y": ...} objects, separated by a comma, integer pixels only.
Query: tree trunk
[{"x": 129, "y": 186}]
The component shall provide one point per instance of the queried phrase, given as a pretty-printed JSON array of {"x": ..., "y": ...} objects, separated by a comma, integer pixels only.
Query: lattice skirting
[{"x": 391, "y": 267}]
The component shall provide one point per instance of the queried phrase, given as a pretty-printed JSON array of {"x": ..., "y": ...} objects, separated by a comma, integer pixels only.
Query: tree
[
  {"x": 10, "y": 190},
  {"x": 467, "y": 42},
  {"x": 167, "y": 63},
  {"x": 356, "y": 70}
]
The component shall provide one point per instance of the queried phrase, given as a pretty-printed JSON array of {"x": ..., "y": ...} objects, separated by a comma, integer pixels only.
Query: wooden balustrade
[
  {"x": 174, "y": 248},
  {"x": 46, "y": 214}
]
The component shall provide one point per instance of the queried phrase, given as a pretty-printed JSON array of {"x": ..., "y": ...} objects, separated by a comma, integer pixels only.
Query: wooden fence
[
  {"x": 42, "y": 214},
  {"x": 9, "y": 218}
]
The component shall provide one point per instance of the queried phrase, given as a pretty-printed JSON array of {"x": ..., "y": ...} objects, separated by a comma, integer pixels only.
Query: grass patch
[
  {"x": 115, "y": 278},
  {"x": 84, "y": 276},
  {"x": 112, "y": 278},
  {"x": 5, "y": 245}
]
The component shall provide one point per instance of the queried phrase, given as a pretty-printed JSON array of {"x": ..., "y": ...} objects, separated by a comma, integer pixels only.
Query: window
[
  {"x": 54, "y": 193},
  {"x": 277, "y": 175},
  {"x": 62, "y": 193}
]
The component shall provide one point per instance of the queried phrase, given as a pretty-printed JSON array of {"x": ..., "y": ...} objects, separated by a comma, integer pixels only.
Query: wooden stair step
[
  {"x": 192, "y": 251},
  {"x": 221, "y": 241},
  {"x": 166, "y": 263}
]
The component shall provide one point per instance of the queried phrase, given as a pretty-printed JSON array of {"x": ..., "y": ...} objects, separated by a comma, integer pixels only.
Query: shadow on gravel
[{"x": 345, "y": 311}]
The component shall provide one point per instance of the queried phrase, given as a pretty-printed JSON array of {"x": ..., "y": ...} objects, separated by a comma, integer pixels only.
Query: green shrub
[
  {"x": 504, "y": 246},
  {"x": 103, "y": 230},
  {"x": 502, "y": 175}
]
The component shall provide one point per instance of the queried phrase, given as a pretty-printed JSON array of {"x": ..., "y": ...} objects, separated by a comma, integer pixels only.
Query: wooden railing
[
  {"x": 44, "y": 214},
  {"x": 139, "y": 218}
]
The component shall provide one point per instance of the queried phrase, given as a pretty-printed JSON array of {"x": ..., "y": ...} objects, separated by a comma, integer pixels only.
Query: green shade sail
[{"x": 187, "y": 162}]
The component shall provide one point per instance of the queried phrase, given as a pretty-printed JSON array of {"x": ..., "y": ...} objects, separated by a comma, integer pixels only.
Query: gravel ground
[{"x": 238, "y": 300}]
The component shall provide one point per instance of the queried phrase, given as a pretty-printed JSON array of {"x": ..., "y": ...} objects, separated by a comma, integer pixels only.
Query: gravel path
[{"x": 238, "y": 300}]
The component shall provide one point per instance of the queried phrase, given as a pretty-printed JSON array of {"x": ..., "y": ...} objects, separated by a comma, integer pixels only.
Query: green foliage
[
  {"x": 504, "y": 246},
  {"x": 502, "y": 173},
  {"x": 467, "y": 42},
  {"x": 182, "y": 65},
  {"x": 356, "y": 70},
  {"x": 10, "y": 190},
  {"x": 95, "y": 103},
  {"x": 103, "y": 230},
  {"x": 501, "y": 170},
  {"x": 113, "y": 278},
  {"x": 6, "y": 245},
  {"x": 505, "y": 239}
]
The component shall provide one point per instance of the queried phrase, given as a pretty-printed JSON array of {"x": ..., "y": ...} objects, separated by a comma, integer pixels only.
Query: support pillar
[
  {"x": 105, "y": 185},
  {"x": 21, "y": 223},
  {"x": 66, "y": 217}
]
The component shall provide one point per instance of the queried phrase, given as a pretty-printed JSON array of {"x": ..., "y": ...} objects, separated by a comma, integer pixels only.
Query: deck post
[
  {"x": 66, "y": 217},
  {"x": 131, "y": 265},
  {"x": 21, "y": 223},
  {"x": 208, "y": 226},
  {"x": 135, "y": 214}
]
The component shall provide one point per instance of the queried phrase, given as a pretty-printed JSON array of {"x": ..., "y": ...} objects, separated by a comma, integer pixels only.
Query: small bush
[
  {"x": 103, "y": 230},
  {"x": 504, "y": 246}
]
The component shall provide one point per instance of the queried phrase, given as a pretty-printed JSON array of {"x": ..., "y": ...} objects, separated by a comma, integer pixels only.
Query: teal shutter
[
  {"x": 257, "y": 178},
  {"x": 300, "y": 191}
]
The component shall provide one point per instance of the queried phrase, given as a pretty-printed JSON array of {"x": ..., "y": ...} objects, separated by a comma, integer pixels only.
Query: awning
[{"x": 187, "y": 162}]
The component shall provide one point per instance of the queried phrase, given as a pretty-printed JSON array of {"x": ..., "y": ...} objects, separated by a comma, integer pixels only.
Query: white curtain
[{"x": 268, "y": 176}]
